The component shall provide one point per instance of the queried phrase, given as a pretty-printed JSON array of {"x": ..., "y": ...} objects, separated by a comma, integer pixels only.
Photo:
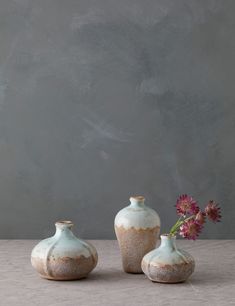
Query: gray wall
[{"x": 100, "y": 100}]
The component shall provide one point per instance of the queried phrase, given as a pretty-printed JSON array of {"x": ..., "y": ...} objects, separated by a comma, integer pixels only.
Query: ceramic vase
[
  {"x": 137, "y": 229},
  {"x": 64, "y": 256},
  {"x": 168, "y": 264}
]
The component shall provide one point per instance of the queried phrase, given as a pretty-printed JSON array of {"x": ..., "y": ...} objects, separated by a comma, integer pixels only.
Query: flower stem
[
  {"x": 177, "y": 225},
  {"x": 174, "y": 227}
]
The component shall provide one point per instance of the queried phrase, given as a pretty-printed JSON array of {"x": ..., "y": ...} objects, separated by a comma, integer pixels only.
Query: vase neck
[
  {"x": 168, "y": 242},
  {"x": 137, "y": 202},
  {"x": 63, "y": 228}
]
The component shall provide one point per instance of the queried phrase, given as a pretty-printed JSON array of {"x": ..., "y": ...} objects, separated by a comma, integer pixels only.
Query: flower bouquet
[{"x": 168, "y": 264}]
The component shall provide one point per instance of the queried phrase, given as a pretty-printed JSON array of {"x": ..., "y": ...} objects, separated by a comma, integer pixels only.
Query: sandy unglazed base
[
  {"x": 64, "y": 268},
  {"x": 170, "y": 274},
  {"x": 134, "y": 244}
]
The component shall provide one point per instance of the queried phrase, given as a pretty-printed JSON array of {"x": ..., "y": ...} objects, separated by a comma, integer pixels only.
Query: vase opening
[
  {"x": 168, "y": 236},
  {"x": 63, "y": 224}
]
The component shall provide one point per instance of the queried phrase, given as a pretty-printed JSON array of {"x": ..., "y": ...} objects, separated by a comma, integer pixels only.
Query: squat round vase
[
  {"x": 64, "y": 256},
  {"x": 137, "y": 229},
  {"x": 168, "y": 264}
]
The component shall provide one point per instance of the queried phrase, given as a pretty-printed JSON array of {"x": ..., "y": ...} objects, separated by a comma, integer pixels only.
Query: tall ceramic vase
[
  {"x": 137, "y": 229},
  {"x": 64, "y": 256},
  {"x": 168, "y": 264}
]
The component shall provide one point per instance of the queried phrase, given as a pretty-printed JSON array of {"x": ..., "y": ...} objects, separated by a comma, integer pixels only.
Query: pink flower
[
  {"x": 213, "y": 212},
  {"x": 190, "y": 229},
  {"x": 200, "y": 217},
  {"x": 186, "y": 205}
]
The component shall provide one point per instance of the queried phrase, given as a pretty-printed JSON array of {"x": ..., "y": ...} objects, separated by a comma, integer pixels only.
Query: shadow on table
[
  {"x": 110, "y": 276},
  {"x": 210, "y": 277},
  {"x": 198, "y": 278}
]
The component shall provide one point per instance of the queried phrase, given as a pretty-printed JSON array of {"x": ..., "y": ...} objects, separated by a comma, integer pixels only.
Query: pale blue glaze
[
  {"x": 167, "y": 253},
  {"x": 137, "y": 215},
  {"x": 63, "y": 244}
]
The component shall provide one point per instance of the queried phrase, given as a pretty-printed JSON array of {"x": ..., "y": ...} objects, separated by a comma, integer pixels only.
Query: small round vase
[
  {"x": 168, "y": 264},
  {"x": 137, "y": 229},
  {"x": 64, "y": 256}
]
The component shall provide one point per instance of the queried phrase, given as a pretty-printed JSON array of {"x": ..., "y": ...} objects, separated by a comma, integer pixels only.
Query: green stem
[
  {"x": 172, "y": 230},
  {"x": 177, "y": 225}
]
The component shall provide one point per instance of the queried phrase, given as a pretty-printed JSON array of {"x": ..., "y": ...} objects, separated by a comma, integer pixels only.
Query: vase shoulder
[
  {"x": 137, "y": 217},
  {"x": 161, "y": 257},
  {"x": 60, "y": 247}
]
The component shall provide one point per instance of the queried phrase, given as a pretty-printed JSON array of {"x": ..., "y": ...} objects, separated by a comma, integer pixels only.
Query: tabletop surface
[{"x": 213, "y": 282}]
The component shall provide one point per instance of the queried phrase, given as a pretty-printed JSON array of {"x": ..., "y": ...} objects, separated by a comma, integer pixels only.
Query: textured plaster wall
[{"x": 100, "y": 100}]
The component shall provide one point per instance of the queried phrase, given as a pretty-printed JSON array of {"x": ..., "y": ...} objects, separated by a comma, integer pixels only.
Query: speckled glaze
[
  {"x": 137, "y": 229},
  {"x": 64, "y": 256},
  {"x": 168, "y": 264}
]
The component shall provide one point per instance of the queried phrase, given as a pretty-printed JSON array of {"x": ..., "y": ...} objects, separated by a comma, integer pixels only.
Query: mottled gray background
[{"x": 100, "y": 100}]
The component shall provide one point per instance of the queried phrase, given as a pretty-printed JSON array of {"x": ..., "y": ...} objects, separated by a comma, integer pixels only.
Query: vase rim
[
  {"x": 137, "y": 198},
  {"x": 168, "y": 236},
  {"x": 66, "y": 223}
]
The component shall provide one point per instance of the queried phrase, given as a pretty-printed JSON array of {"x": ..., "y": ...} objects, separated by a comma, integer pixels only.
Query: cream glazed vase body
[
  {"x": 137, "y": 229},
  {"x": 64, "y": 256},
  {"x": 168, "y": 264}
]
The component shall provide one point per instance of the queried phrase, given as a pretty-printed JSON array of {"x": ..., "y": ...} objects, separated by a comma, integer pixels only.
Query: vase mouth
[
  {"x": 167, "y": 236},
  {"x": 137, "y": 198},
  {"x": 64, "y": 223}
]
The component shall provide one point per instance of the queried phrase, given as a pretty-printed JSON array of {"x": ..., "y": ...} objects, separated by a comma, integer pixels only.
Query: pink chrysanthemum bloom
[
  {"x": 201, "y": 217},
  {"x": 190, "y": 229},
  {"x": 186, "y": 205},
  {"x": 212, "y": 211}
]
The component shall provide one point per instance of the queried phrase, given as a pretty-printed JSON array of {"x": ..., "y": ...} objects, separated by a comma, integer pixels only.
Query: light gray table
[{"x": 213, "y": 282}]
